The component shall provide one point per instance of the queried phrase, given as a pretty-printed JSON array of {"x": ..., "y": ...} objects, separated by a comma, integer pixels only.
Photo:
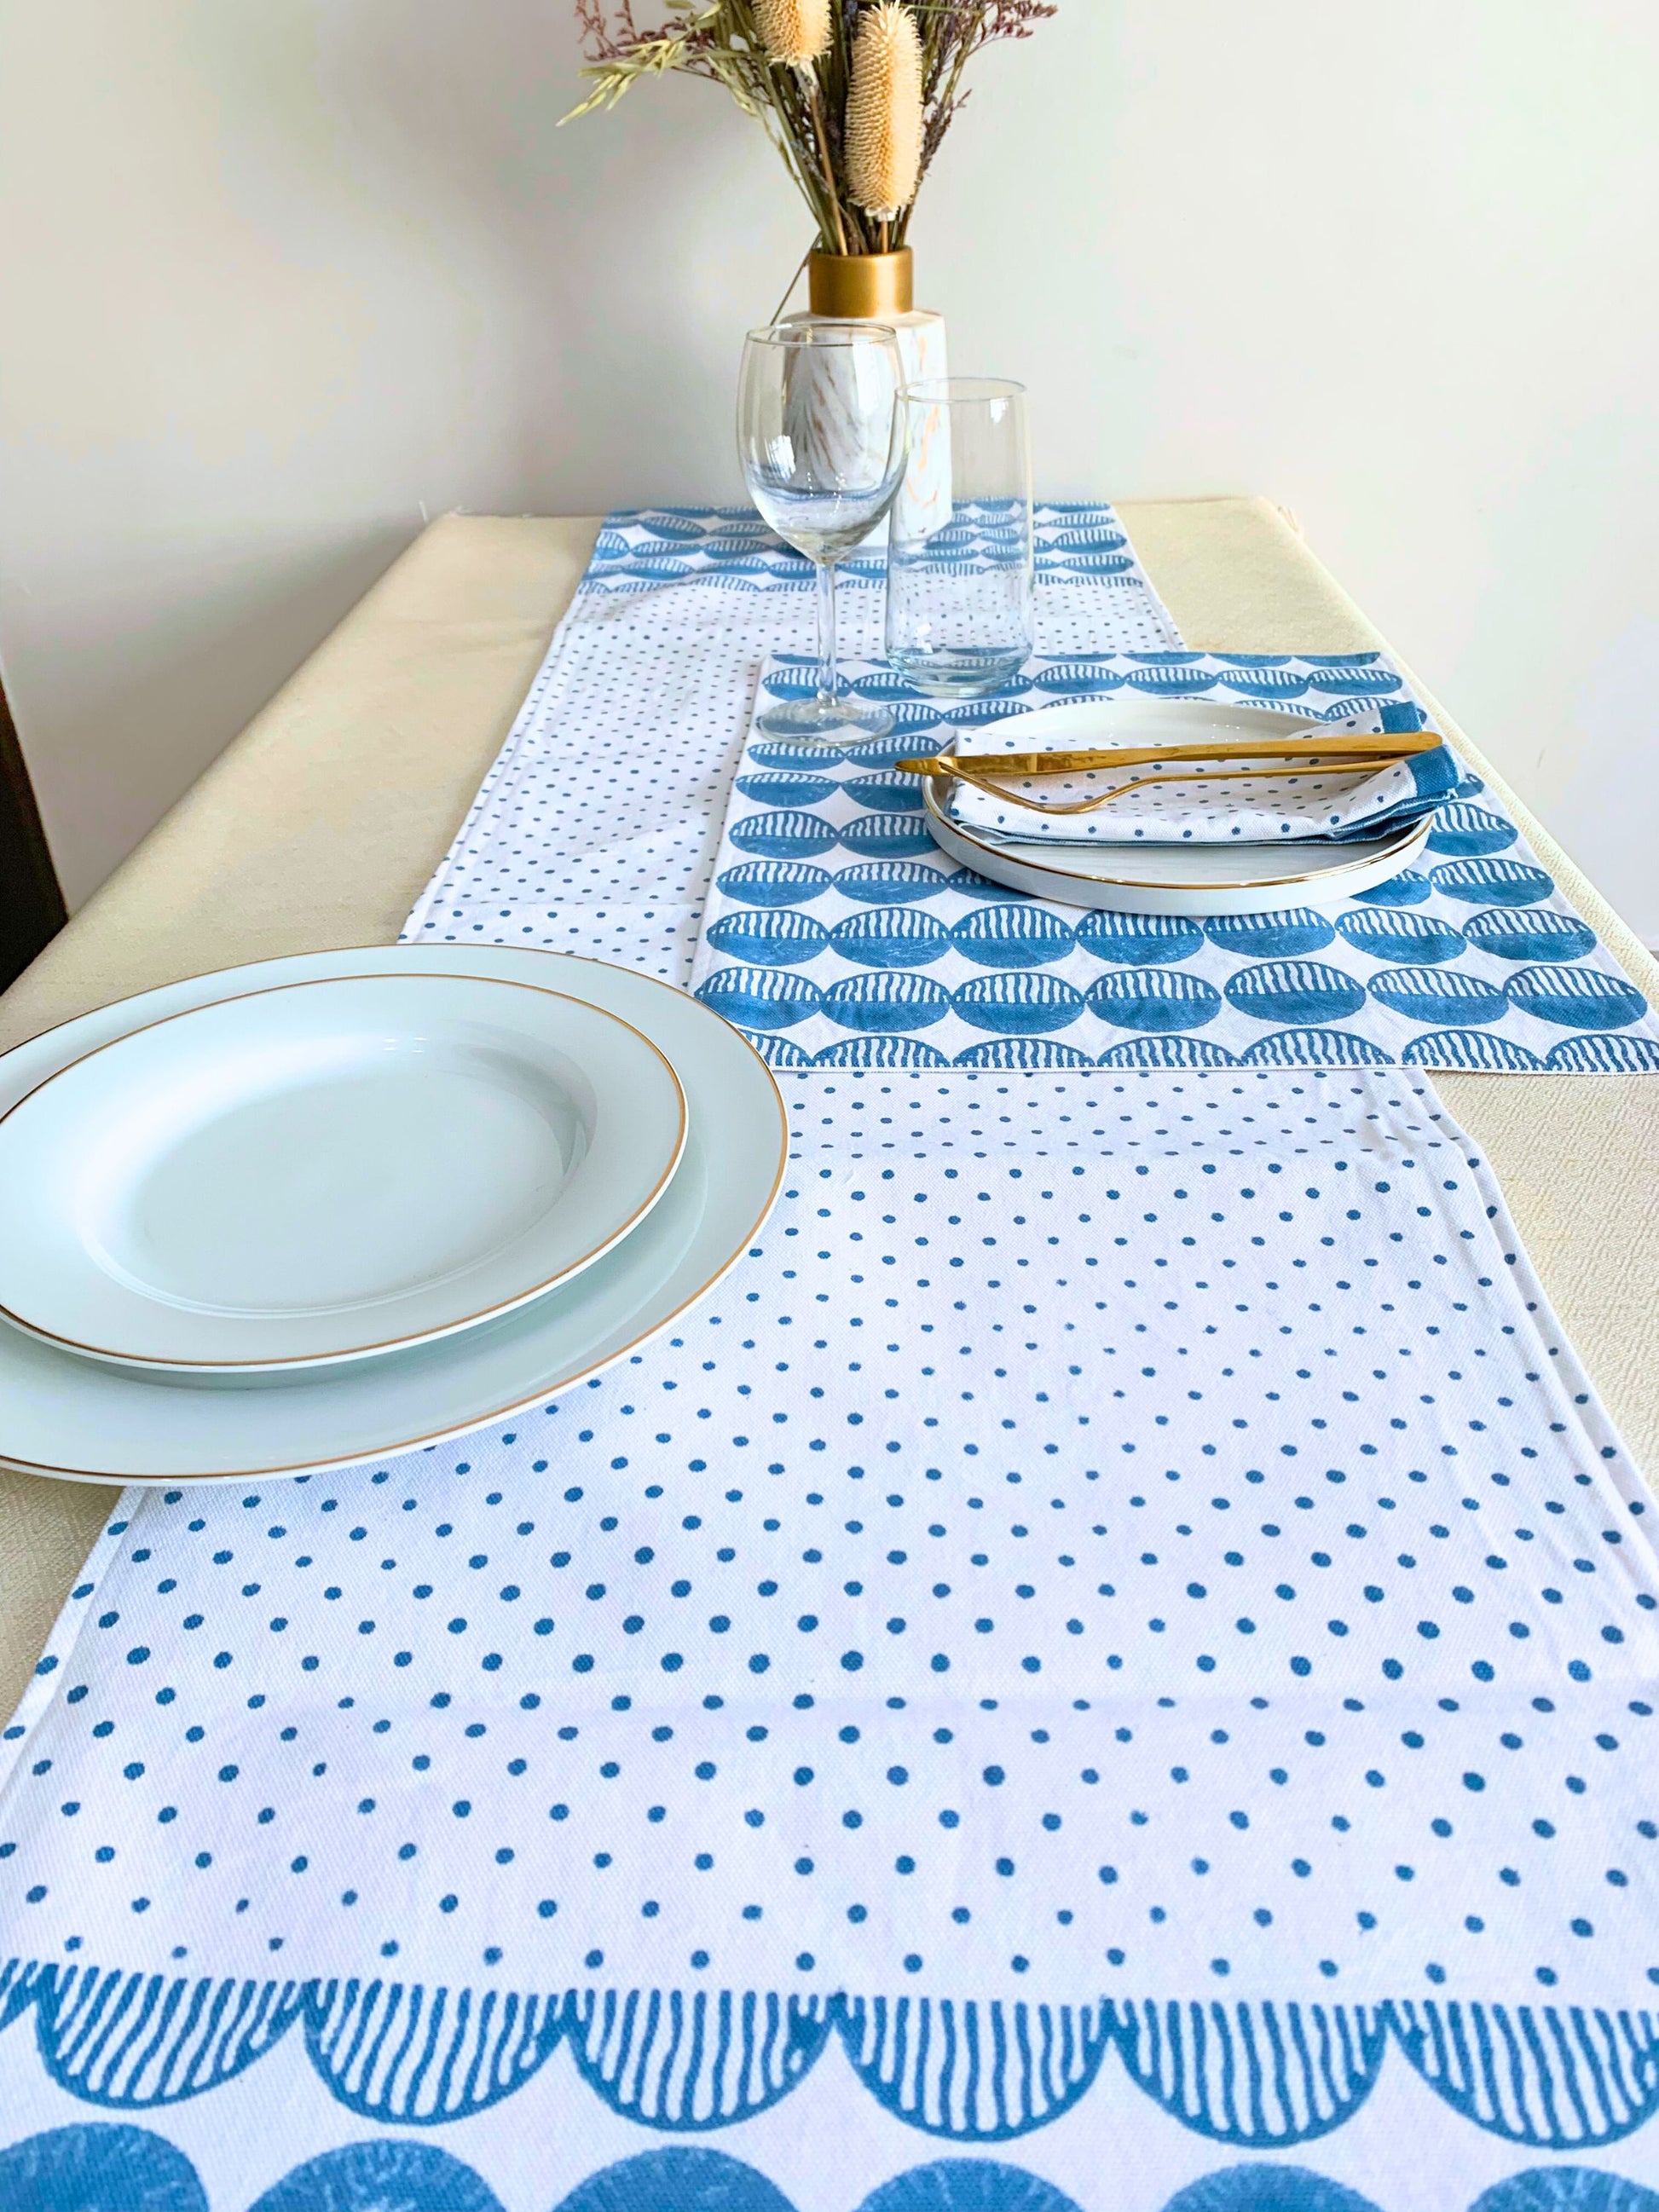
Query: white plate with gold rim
[
  {"x": 1179, "y": 879},
  {"x": 82, "y": 1420},
  {"x": 329, "y": 1170}
]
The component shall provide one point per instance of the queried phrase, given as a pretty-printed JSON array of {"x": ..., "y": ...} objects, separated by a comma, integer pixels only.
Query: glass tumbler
[{"x": 961, "y": 566}]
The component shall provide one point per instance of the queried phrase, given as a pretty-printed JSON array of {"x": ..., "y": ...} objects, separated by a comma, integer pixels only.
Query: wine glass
[{"x": 821, "y": 440}]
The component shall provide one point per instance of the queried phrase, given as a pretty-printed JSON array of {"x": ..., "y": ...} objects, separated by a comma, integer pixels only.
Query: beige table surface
[{"x": 320, "y": 826}]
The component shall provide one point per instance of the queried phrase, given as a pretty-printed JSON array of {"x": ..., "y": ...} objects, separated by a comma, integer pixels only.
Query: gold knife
[{"x": 1363, "y": 749}]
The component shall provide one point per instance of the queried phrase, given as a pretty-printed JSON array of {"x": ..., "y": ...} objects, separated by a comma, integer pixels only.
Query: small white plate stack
[
  {"x": 311, "y": 1212},
  {"x": 1199, "y": 877}
]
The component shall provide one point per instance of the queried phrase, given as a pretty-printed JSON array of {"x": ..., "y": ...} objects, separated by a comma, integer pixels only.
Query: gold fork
[{"x": 1295, "y": 756}]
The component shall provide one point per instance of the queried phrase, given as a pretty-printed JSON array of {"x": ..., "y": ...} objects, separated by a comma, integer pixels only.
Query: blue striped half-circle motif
[
  {"x": 1605, "y": 1054},
  {"x": 1168, "y": 1052},
  {"x": 1419, "y": 939},
  {"x": 1434, "y": 994},
  {"x": 982, "y": 2071},
  {"x": 1089, "y": 564},
  {"x": 1355, "y": 683},
  {"x": 786, "y": 787},
  {"x": 1530, "y": 933},
  {"x": 689, "y": 2059},
  {"x": 775, "y": 883},
  {"x": 967, "y": 2184},
  {"x": 1078, "y": 679},
  {"x": 1253, "y": 2074},
  {"x": 884, "y": 753},
  {"x": 1099, "y": 539},
  {"x": 1023, "y": 1054},
  {"x": 1315, "y": 1048},
  {"x": 760, "y": 998},
  {"x": 1269, "y": 683},
  {"x": 678, "y": 2178},
  {"x": 1170, "y": 683},
  {"x": 891, "y": 937},
  {"x": 1564, "y": 2076},
  {"x": 778, "y": 1051},
  {"x": 1268, "y": 2189},
  {"x": 136, "y": 2040},
  {"x": 877, "y": 882},
  {"x": 886, "y": 1002},
  {"x": 884, "y": 684},
  {"x": 1271, "y": 936},
  {"x": 379, "y": 2177},
  {"x": 880, "y": 1052},
  {"x": 1406, "y": 889},
  {"x": 1298, "y": 992},
  {"x": 976, "y": 714},
  {"x": 787, "y": 683},
  {"x": 99, "y": 2167},
  {"x": 1577, "y": 997},
  {"x": 1475, "y": 1049},
  {"x": 1021, "y": 1004},
  {"x": 1460, "y": 828},
  {"x": 1138, "y": 940},
  {"x": 1154, "y": 999},
  {"x": 1494, "y": 882},
  {"x": 897, "y": 794},
  {"x": 1165, "y": 656},
  {"x": 782, "y": 834},
  {"x": 1009, "y": 936},
  {"x": 403, "y": 2053},
  {"x": 886, "y": 836},
  {"x": 772, "y": 939}
]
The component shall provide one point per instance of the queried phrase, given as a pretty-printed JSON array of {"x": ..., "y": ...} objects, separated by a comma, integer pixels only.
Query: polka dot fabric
[
  {"x": 838, "y": 934},
  {"x": 1118, "y": 1541}
]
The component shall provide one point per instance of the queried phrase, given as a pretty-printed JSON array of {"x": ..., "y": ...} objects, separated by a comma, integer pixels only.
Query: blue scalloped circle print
[
  {"x": 769, "y": 939},
  {"x": 682, "y": 2177},
  {"x": 782, "y": 834},
  {"x": 1023, "y": 1056},
  {"x": 761, "y": 998},
  {"x": 1406, "y": 889},
  {"x": 1268, "y": 2188},
  {"x": 1174, "y": 1051},
  {"x": 1153, "y": 1000},
  {"x": 1609, "y": 1054},
  {"x": 1464, "y": 831},
  {"x": 890, "y": 794},
  {"x": 778, "y": 1051},
  {"x": 1566, "y": 2189},
  {"x": 1138, "y": 940},
  {"x": 1300, "y": 992},
  {"x": 967, "y": 2184},
  {"x": 887, "y": 838},
  {"x": 387, "y": 2176},
  {"x": 775, "y": 883},
  {"x": 1531, "y": 933},
  {"x": 1491, "y": 883},
  {"x": 1020, "y": 1004},
  {"x": 1271, "y": 936},
  {"x": 1008, "y": 936},
  {"x": 882, "y": 883},
  {"x": 1314, "y": 1048},
  {"x": 1476, "y": 1050},
  {"x": 1577, "y": 997},
  {"x": 880, "y": 1052},
  {"x": 891, "y": 937},
  {"x": 99, "y": 2166},
  {"x": 1406, "y": 938},
  {"x": 1273, "y": 687},
  {"x": 1430, "y": 994},
  {"x": 781, "y": 787},
  {"x": 886, "y": 1001}
]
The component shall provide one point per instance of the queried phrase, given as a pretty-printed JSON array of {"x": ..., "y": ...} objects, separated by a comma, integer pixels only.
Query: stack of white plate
[
  {"x": 1148, "y": 878},
  {"x": 308, "y": 1213}
]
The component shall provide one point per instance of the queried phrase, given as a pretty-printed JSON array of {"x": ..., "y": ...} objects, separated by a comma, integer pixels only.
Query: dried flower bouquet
[{"x": 856, "y": 94}]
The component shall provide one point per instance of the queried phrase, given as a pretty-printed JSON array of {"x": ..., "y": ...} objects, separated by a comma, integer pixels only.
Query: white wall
[{"x": 293, "y": 267}]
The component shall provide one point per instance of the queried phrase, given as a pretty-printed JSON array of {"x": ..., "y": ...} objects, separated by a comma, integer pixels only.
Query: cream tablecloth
[{"x": 321, "y": 823}]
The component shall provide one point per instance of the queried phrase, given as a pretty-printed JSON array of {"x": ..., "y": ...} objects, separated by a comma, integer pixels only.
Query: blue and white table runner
[{"x": 1107, "y": 1668}]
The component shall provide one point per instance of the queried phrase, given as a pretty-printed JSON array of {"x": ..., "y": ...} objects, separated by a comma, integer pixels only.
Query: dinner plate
[
  {"x": 1183, "y": 879},
  {"x": 328, "y": 1170},
  {"x": 82, "y": 1421}
]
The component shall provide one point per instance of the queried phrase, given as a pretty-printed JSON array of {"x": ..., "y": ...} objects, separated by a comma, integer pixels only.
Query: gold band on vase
[{"x": 857, "y": 287}]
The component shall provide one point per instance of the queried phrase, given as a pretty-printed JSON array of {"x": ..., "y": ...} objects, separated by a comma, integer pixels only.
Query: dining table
[{"x": 318, "y": 826}]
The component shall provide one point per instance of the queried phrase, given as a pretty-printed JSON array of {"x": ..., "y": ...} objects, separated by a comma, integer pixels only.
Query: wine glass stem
[{"x": 829, "y": 680}]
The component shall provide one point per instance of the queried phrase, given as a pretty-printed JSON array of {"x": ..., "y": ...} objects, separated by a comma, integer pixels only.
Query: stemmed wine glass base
[{"x": 842, "y": 720}]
